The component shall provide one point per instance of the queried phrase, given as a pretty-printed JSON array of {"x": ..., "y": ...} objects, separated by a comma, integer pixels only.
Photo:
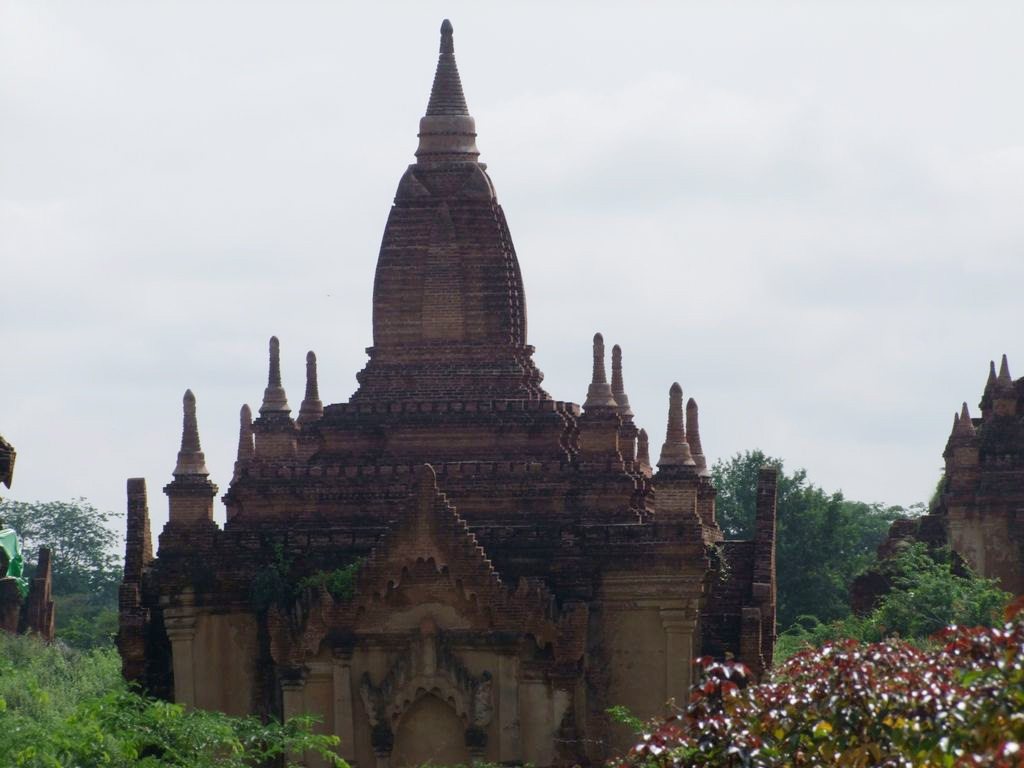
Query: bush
[
  {"x": 848, "y": 703},
  {"x": 60, "y": 707},
  {"x": 930, "y": 591}
]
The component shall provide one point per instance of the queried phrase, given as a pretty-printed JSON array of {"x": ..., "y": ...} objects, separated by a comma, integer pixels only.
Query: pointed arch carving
[{"x": 429, "y": 547}]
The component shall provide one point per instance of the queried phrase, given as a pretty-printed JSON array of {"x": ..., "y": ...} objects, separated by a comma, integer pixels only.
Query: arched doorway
[{"x": 429, "y": 732}]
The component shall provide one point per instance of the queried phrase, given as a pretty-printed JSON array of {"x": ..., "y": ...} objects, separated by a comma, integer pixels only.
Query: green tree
[
  {"x": 85, "y": 557},
  {"x": 930, "y": 592},
  {"x": 86, "y": 565},
  {"x": 823, "y": 540}
]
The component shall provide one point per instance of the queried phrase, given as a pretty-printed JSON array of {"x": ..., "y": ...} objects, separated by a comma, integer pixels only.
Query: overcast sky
[{"x": 808, "y": 214}]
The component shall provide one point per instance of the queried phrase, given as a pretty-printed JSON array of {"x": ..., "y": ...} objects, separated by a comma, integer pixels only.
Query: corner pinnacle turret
[
  {"x": 191, "y": 461},
  {"x": 312, "y": 407},
  {"x": 274, "y": 398},
  {"x": 618, "y": 388},
  {"x": 599, "y": 394},
  {"x": 676, "y": 451}
]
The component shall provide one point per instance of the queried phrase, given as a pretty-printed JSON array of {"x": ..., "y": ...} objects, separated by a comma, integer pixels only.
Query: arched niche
[{"x": 429, "y": 731}]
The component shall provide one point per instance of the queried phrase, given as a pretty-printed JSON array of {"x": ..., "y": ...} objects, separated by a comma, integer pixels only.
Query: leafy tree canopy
[
  {"x": 85, "y": 557},
  {"x": 823, "y": 540},
  {"x": 86, "y": 564},
  {"x": 929, "y": 592}
]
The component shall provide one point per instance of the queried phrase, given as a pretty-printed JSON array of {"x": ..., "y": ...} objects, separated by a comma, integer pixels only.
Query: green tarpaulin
[{"x": 11, "y": 546}]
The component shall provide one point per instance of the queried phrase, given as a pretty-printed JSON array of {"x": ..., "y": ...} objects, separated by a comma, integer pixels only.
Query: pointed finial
[
  {"x": 693, "y": 434},
  {"x": 447, "y": 132},
  {"x": 274, "y": 398},
  {"x": 962, "y": 424},
  {"x": 618, "y": 388},
  {"x": 599, "y": 395},
  {"x": 991, "y": 374},
  {"x": 1004, "y": 380},
  {"x": 246, "y": 449},
  {"x": 190, "y": 458},
  {"x": 246, "y": 442},
  {"x": 447, "y": 42},
  {"x": 312, "y": 408},
  {"x": 676, "y": 451},
  {"x": 643, "y": 449},
  {"x": 274, "y": 377},
  {"x": 599, "y": 376}
]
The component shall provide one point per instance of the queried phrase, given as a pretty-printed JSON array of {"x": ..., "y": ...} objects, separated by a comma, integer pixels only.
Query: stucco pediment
[{"x": 429, "y": 563}]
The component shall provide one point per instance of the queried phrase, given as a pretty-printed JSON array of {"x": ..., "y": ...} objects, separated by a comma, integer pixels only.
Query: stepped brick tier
[
  {"x": 980, "y": 509},
  {"x": 452, "y": 565}
]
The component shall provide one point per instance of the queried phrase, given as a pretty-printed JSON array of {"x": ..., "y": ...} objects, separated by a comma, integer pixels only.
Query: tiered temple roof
[{"x": 526, "y": 532}]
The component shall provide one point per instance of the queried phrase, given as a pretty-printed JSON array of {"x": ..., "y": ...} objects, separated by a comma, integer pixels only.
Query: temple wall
[
  {"x": 989, "y": 542},
  {"x": 634, "y": 642},
  {"x": 224, "y": 662}
]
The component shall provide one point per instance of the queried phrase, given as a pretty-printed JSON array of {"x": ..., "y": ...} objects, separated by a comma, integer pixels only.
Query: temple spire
[
  {"x": 246, "y": 449},
  {"x": 676, "y": 451},
  {"x": 962, "y": 424},
  {"x": 599, "y": 395},
  {"x": 693, "y": 435},
  {"x": 274, "y": 398},
  {"x": 447, "y": 132},
  {"x": 446, "y": 96},
  {"x": 191, "y": 461},
  {"x": 312, "y": 407},
  {"x": 643, "y": 450},
  {"x": 1004, "y": 380},
  {"x": 618, "y": 388}
]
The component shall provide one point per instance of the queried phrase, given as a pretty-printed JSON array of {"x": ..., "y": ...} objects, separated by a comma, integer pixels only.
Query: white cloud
[{"x": 808, "y": 215}]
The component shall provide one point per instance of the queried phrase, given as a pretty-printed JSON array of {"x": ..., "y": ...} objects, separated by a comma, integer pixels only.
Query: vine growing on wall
[
  {"x": 340, "y": 582},
  {"x": 277, "y": 583}
]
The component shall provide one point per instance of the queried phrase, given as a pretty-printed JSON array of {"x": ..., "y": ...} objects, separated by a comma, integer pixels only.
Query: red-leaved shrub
[{"x": 850, "y": 704}]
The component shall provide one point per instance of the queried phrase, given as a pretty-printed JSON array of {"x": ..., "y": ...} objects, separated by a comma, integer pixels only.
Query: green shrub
[
  {"x": 61, "y": 707},
  {"x": 930, "y": 591}
]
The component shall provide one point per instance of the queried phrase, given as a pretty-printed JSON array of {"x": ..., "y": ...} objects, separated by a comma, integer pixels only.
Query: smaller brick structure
[
  {"x": 980, "y": 509},
  {"x": 35, "y": 612},
  {"x": 981, "y": 505}
]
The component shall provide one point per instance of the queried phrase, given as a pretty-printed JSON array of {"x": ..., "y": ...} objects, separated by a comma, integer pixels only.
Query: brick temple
[
  {"x": 980, "y": 509},
  {"x": 452, "y": 566}
]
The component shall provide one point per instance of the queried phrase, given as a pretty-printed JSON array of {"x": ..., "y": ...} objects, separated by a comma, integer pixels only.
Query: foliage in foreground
[
  {"x": 930, "y": 591},
  {"x": 850, "y": 704},
  {"x": 60, "y": 708}
]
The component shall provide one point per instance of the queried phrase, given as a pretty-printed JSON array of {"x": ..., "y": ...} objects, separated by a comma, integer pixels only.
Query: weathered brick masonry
[{"x": 505, "y": 566}]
